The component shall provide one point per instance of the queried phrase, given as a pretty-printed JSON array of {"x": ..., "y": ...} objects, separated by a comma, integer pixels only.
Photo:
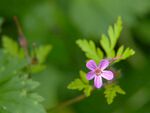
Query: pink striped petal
[
  {"x": 98, "y": 82},
  {"x": 90, "y": 75},
  {"x": 103, "y": 64},
  {"x": 107, "y": 75},
  {"x": 91, "y": 65}
]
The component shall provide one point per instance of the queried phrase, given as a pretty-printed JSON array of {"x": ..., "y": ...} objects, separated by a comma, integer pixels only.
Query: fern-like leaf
[
  {"x": 90, "y": 50},
  {"x": 111, "y": 91},
  {"x": 81, "y": 84}
]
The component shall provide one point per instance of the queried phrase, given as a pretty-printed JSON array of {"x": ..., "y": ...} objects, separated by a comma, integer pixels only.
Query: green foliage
[
  {"x": 90, "y": 49},
  {"x": 42, "y": 53},
  {"x": 10, "y": 46},
  {"x": 35, "y": 68},
  {"x": 87, "y": 90},
  {"x": 16, "y": 89},
  {"x": 124, "y": 53},
  {"x": 76, "y": 84},
  {"x": 83, "y": 77},
  {"x": 114, "y": 32},
  {"x": 81, "y": 84},
  {"x": 111, "y": 91},
  {"x": 9, "y": 67},
  {"x": 108, "y": 44},
  {"x": 16, "y": 96}
]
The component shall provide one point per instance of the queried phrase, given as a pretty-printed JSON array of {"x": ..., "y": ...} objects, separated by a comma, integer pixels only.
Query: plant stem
[
  {"x": 67, "y": 103},
  {"x": 18, "y": 26},
  {"x": 22, "y": 38}
]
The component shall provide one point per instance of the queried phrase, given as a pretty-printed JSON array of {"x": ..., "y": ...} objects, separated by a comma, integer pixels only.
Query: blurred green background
[{"x": 60, "y": 23}]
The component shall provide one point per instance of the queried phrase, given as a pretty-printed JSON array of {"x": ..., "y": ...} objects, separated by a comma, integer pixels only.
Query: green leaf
[
  {"x": 9, "y": 66},
  {"x": 16, "y": 96},
  {"x": 87, "y": 90},
  {"x": 37, "y": 68},
  {"x": 16, "y": 89},
  {"x": 90, "y": 49},
  {"x": 81, "y": 84},
  {"x": 42, "y": 53},
  {"x": 123, "y": 54},
  {"x": 114, "y": 33},
  {"x": 76, "y": 84},
  {"x": 111, "y": 91},
  {"x": 105, "y": 43},
  {"x": 99, "y": 53},
  {"x": 10, "y": 46},
  {"x": 108, "y": 43},
  {"x": 83, "y": 77},
  {"x": 127, "y": 53},
  {"x": 120, "y": 51}
]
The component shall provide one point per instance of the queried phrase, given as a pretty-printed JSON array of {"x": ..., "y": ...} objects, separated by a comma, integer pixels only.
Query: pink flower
[{"x": 98, "y": 72}]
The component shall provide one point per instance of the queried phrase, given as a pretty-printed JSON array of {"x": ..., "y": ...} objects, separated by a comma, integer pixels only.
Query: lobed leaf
[
  {"x": 76, "y": 84},
  {"x": 114, "y": 32},
  {"x": 127, "y": 53},
  {"x": 90, "y": 50},
  {"x": 16, "y": 96},
  {"x": 10, "y": 66},
  {"x": 108, "y": 43},
  {"x": 105, "y": 43},
  {"x": 16, "y": 89},
  {"x": 37, "y": 68},
  {"x": 120, "y": 51},
  {"x": 111, "y": 91},
  {"x": 42, "y": 53},
  {"x": 123, "y": 54},
  {"x": 81, "y": 84},
  {"x": 10, "y": 46},
  {"x": 87, "y": 90},
  {"x": 83, "y": 77}
]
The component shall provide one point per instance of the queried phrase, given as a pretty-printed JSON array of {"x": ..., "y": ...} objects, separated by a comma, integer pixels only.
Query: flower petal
[
  {"x": 98, "y": 81},
  {"x": 103, "y": 64},
  {"x": 91, "y": 65},
  {"x": 90, "y": 75},
  {"x": 107, "y": 75}
]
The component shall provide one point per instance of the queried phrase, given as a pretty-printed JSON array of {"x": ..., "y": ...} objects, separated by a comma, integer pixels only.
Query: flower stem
[
  {"x": 22, "y": 38},
  {"x": 67, "y": 103}
]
